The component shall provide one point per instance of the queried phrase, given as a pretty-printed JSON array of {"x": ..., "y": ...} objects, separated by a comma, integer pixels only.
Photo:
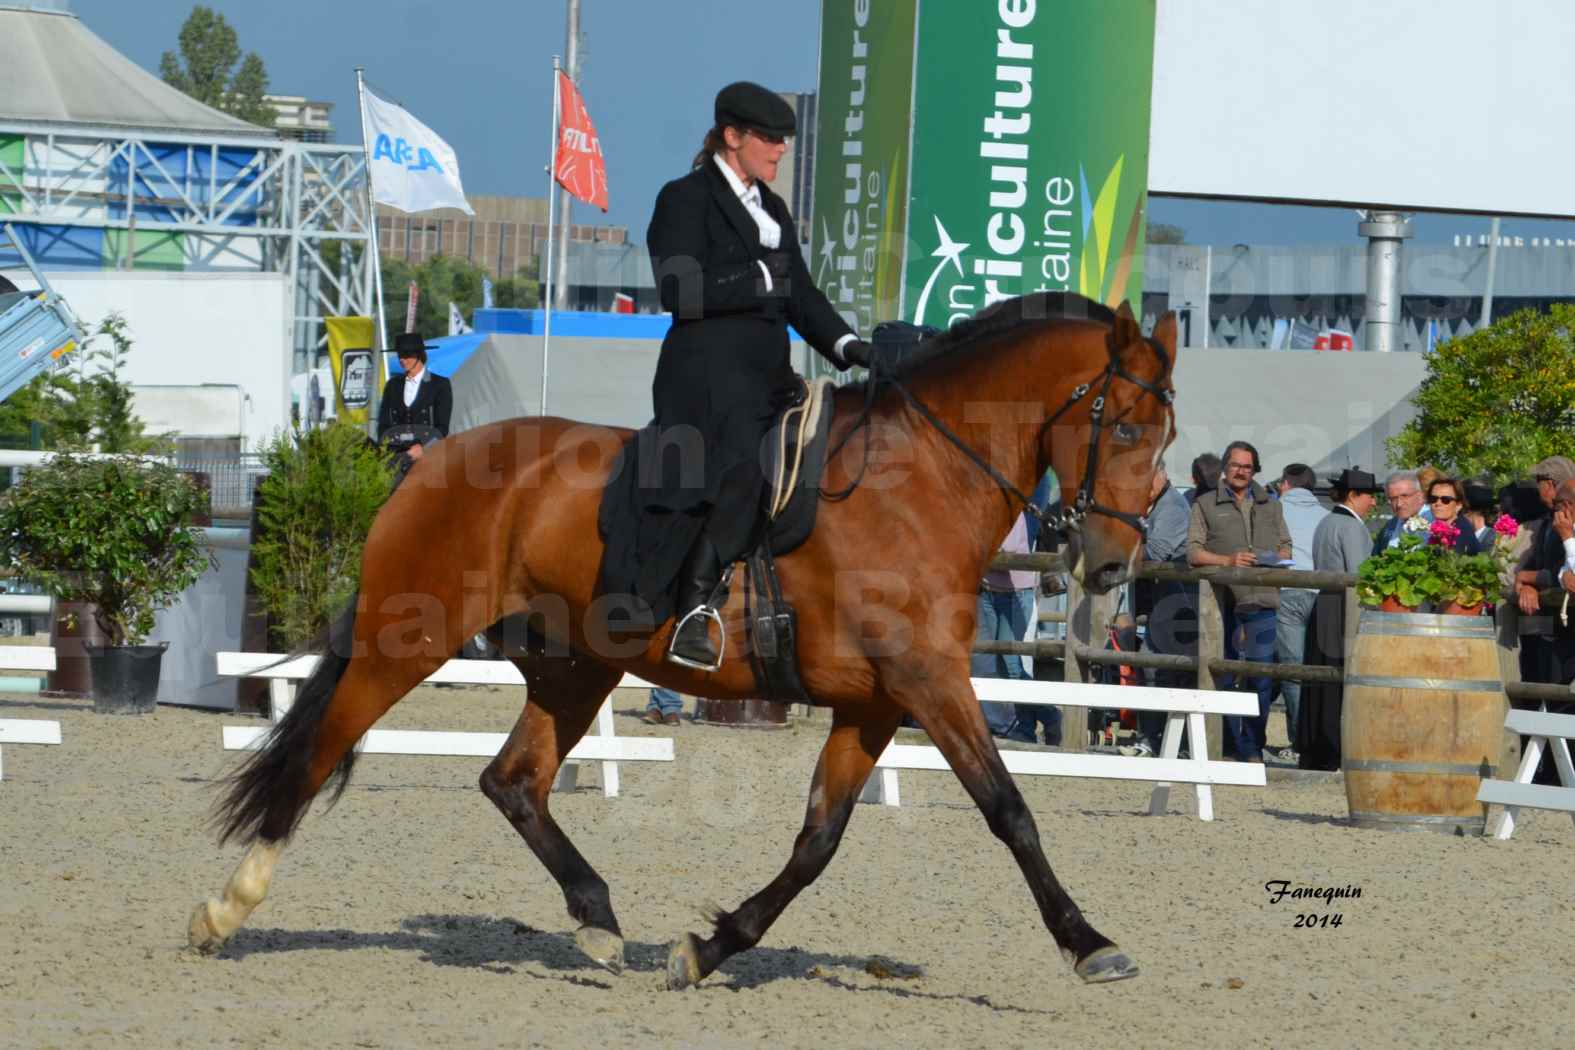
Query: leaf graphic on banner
[
  {"x": 1129, "y": 250},
  {"x": 1105, "y": 218},
  {"x": 888, "y": 264}
]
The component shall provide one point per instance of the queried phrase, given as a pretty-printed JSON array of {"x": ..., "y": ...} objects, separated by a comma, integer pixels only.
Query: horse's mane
[{"x": 1008, "y": 315}]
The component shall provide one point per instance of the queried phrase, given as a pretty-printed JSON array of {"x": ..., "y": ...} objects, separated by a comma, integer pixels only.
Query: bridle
[{"x": 1066, "y": 521}]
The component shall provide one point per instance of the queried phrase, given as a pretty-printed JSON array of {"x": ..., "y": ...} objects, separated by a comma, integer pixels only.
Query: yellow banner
[{"x": 358, "y": 372}]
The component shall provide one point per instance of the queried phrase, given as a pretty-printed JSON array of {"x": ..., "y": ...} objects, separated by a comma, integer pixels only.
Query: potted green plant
[
  {"x": 114, "y": 533},
  {"x": 1403, "y": 577}
]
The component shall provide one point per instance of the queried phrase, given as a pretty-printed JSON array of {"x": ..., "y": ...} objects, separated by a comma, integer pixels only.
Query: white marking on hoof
[{"x": 214, "y": 922}]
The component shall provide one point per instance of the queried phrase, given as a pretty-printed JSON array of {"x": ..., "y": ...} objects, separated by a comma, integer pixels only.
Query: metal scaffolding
[{"x": 257, "y": 204}]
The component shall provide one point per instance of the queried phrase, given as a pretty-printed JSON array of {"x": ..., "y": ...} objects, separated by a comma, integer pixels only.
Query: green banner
[
  {"x": 1030, "y": 153},
  {"x": 861, "y": 156}
]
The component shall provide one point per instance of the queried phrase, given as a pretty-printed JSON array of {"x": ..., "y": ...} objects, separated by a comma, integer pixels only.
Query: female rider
[{"x": 727, "y": 264}]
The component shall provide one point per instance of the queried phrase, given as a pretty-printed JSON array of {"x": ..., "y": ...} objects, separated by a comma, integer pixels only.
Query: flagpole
[
  {"x": 552, "y": 194},
  {"x": 379, "y": 338}
]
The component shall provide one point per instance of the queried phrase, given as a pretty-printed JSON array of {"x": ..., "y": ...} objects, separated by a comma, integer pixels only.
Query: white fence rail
[
  {"x": 602, "y": 746},
  {"x": 1184, "y": 707}
]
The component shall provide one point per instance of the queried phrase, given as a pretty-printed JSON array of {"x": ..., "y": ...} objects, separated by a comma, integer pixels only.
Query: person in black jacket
[
  {"x": 417, "y": 397},
  {"x": 728, "y": 267}
]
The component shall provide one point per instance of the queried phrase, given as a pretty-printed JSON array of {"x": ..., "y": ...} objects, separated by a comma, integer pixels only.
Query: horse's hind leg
[
  {"x": 312, "y": 745},
  {"x": 564, "y": 694},
  {"x": 947, "y": 709},
  {"x": 856, "y": 741}
]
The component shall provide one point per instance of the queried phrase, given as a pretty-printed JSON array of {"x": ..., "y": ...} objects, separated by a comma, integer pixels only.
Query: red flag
[
  {"x": 578, "y": 167},
  {"x": 410, "y": 311}
]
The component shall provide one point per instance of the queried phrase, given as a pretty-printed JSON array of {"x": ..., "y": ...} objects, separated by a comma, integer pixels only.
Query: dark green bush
[{"x": 324, "y": 487}]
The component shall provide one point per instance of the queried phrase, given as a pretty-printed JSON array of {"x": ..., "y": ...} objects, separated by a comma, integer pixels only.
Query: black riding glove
[{"x": 858, "y": 352}]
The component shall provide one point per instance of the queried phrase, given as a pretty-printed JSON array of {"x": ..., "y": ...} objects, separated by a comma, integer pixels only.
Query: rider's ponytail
[{"x": 713, "y": 143}]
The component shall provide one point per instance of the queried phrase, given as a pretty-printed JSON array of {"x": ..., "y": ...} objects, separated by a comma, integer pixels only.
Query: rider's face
[{"x": 756, "y": 153}]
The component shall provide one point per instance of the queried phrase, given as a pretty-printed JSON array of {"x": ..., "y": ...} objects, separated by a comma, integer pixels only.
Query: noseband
[{"x": 1066, "y": 521}]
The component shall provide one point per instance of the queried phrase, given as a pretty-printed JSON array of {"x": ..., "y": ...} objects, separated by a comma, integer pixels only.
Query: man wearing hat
[
  {"x": 729, "y": 269},
  {"x": 1341, "y": 543},
  {"x": 416, "y": 397}
]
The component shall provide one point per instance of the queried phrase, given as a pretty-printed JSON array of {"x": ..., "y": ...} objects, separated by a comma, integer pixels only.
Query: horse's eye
[{"x": 1127, "y": 433}]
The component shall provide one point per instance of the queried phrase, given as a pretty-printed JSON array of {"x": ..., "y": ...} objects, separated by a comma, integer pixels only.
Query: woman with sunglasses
[
  {"x": 727, "y": 264},
  {"x": 1447, "y": 499}
]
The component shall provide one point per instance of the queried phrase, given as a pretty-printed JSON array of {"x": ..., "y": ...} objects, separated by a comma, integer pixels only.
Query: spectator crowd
[{"x": 1230, "y": 518}]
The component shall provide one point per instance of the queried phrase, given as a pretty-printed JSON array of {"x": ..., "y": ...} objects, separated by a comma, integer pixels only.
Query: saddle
[{"x": 795, "y": 461}]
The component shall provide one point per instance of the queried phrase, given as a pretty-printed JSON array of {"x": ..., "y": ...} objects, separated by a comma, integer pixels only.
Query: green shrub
[
  {"x": 324, "y": 487},
  {"x": 114, "y": 532}
]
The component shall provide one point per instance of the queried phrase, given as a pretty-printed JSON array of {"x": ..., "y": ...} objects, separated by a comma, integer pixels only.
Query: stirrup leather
[{"x": 704, "y": 612}]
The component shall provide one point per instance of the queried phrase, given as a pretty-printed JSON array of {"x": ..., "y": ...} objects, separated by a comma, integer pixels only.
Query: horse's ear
[
  {"x": 1165, "y": 333},
  {"x": 1125, "y": 331}
]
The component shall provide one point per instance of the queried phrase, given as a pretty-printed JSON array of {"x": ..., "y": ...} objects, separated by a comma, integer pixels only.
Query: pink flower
[
  {"x": 1506, "y": 526},
  {"x": 1443, "y": 534}
]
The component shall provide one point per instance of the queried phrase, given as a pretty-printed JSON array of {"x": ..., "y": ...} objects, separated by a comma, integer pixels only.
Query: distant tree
[
  {"x": 444, "y": 279},
  {"x": 1498, "y": 400},
  {"x": 1165, "y": 233},
  {"x": 209, "y": 50}
]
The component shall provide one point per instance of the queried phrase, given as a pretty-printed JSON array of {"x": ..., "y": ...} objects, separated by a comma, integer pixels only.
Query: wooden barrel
[
  {"x": 1423, "y": 721},
  {"x": 749, "y": 714}
]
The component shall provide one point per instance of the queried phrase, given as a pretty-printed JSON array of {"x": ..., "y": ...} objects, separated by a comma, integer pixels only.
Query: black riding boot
[{"x": 691, "y": 645}]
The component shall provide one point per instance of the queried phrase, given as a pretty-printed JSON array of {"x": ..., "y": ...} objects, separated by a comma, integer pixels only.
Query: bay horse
[{"x": 503, "y": 518}]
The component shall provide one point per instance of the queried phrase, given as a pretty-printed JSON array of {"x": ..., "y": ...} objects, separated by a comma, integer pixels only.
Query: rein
[{"x": 1063, "y": 522}]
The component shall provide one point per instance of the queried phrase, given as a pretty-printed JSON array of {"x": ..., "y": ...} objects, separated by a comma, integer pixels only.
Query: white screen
[{"x": 1419, "y": 104}]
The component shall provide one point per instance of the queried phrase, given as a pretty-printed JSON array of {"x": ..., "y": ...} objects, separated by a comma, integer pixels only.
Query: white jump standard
[
  {"x": 1550, "y": 731},
  {"x": 27, "y": 730}
]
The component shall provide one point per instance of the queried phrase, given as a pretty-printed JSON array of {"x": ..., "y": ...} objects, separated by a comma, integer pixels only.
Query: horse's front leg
[
  {"x": 945, "y": 705},
  {"x": 856, "y": 741}
]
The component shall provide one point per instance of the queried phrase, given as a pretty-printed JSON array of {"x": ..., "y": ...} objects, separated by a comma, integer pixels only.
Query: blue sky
[{"x": 479, "y": 72}]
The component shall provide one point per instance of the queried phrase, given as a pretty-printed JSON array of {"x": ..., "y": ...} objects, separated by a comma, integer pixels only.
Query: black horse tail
[{"x": 266, "y": 797}]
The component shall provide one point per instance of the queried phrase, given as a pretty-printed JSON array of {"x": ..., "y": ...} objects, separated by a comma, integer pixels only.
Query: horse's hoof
[
  {"x": 1106, "y": 964},
  {"x": 601, "y": 947},
  {"x": 200, "y": 933},
  {"x": 683, "y": 964}
]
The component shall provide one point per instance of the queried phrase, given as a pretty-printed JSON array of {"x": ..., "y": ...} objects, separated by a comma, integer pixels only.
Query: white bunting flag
[
  {"x": 456, "y": 321},
  {"x": 412, "y": 169}
]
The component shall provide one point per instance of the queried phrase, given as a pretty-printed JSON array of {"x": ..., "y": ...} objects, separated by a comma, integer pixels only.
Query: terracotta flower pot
[
  {"x": 1453, "y": 608},
  {"x": 1393, "y": 604}
]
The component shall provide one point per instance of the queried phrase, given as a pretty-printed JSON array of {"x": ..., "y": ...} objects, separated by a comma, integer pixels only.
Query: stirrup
[{"x": 704, "y": 612}]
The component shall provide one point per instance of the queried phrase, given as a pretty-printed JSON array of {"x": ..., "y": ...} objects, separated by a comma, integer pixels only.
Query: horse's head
[{"x": 1104, "y": 448}]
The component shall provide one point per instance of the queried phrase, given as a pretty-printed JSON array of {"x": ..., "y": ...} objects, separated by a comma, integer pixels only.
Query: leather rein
[{"x": 1063, "y": 522}]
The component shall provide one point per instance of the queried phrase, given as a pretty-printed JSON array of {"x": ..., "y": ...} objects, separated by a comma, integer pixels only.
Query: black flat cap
[{"x": 747, "y": 105}]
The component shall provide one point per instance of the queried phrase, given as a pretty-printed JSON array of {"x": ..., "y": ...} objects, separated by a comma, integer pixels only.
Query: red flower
[{"x": 1443, "y": 534}]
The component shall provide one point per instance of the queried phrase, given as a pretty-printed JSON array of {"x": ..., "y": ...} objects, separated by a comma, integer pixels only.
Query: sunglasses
[
  {"x": 1442, "y": 499},
  {"x": 774, "y": 140}
]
